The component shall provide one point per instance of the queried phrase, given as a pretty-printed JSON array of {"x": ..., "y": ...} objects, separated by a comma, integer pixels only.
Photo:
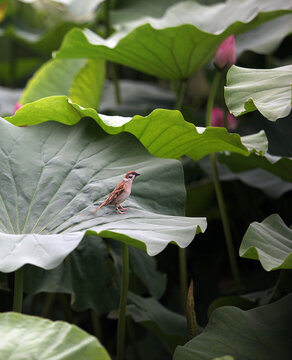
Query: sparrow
[{"x": 121, "y": 193}]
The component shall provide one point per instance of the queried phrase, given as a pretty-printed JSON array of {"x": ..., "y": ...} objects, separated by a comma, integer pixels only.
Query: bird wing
[{"x": 113, "y": 195}]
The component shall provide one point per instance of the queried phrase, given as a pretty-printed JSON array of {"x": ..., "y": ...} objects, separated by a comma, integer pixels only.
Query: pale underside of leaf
[
  {"x": 54, "y": 176},
  {"x": 270, "y": 242},
  {"x": 265, "y": 90}
]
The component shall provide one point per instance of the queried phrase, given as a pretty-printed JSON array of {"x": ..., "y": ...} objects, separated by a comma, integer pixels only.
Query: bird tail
[{"x": 93, "y": 212}]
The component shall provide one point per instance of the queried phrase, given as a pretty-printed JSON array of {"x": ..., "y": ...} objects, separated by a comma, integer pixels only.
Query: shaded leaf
[
  {"x": 176, "y": 45},
  {"x": 164, "y": 133},
  {"x": 265, "y": 38},
  {"x": 270, "y": 242},
  {"x": 231, "y": 168},
  {"x": 265, "y": 90},
  {"x": 51, "y": 176},
  {"x": 144, "y": 267},
  {"x": 77, "y": 276},
  {"x": 170, "y": 327},
  {"x": 277, "y": 165},
  {"x": 263, "y": 332},
  {"x": 44, "y": 339}
]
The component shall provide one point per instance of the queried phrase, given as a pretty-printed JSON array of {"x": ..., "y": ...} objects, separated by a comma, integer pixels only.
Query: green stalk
[
  {"x": 180, "y": 95},
  {"x": 18, "y": 290},
  {"x": 112, "y": 66},
  {"x": 182, "y": 252},
  {"x": 107, "y": 18},
  {"x": 219, "y": 193},
  {"x": 123, "y": 302},
  {"x": 183, "y": 275}
]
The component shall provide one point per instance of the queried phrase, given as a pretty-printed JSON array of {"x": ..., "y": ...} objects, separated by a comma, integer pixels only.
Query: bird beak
[{"x": 137, "y": 174}]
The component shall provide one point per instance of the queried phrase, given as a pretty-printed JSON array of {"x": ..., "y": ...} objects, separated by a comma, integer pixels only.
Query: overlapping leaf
[
  {"x": 263, "y": 332},
  {"x": 270, "y": 242},
  {"x": 170, "y": 327},
  {"x": 164, "y": 133},
  {"x": 265, "y": 90},
  {"x": 51, "y": 176},
  {"x": 279, "y": 166},
  {"x": 265, "y": 38},
  {"x": 43, "y": 339},
  {"x": 177, "y": 44},
  {"x": 80, "y": 79}
]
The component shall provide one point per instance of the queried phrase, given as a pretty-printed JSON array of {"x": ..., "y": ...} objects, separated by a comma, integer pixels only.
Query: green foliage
[
  {"x": 265, "y": 90},
  {"x": 164, "y": 133},
  {"x": 177, "y": 44},
  {"x": 270, "y": 242},
  {"x": 81, "y": 80},
  {"x": 53, "y": 174},
  {"x": 43, "y": 339},
  {"x": 262, "y": 332}
]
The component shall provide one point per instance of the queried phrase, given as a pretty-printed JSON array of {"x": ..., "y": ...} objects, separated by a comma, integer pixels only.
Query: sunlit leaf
[
  {"x": 265, "y": 90},
  {"x": 263, "y": 332},
  {"x": 79, "y": 79},
  {"x": 44, "y": 339},
  {"x": 164, "y": 133},
  {"x": 270, "y": 242},
  {"x": 177, "y": 44}
]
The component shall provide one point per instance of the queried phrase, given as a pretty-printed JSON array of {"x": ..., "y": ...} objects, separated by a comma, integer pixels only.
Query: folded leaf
[
  {"x": 270, "y": 242},
  {"x": 164, "y": 133},
  {"x": 265, "y": 90}
]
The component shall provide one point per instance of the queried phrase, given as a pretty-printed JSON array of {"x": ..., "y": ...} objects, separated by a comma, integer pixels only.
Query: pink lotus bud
[
  {"x": 225, "y": 54},
  {"x": 16, "y": 107},
  {"x": 217, "y": 119}
]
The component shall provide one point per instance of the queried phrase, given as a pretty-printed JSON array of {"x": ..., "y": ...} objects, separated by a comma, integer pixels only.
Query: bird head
[{"x": 131, "y": 175}]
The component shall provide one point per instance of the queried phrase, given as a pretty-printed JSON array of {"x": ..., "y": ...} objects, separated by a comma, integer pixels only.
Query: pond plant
[{"x": 191, "y": 101}]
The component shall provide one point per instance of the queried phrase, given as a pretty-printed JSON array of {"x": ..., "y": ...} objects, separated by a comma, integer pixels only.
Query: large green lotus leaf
[
  {"x": 265, "y": 90},
  {"x": 177, "y": 44},
  {"x": 164, "y": 133},
  {"x": 43, "y": 339},
  {"x": 270, "y": 242},
  {"x": 265, "y": 38},
  {"x": 51, "y": 175},
  {"x": 261, "y": 333},
  {"x": 77, "y": 276},
  {"x": 170, "y": 327},
  {"x": 80, "y": 79}
]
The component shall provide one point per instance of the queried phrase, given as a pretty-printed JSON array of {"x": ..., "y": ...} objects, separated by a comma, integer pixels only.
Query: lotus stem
[
  {"x": 219, "y": 193},
  {"x": 123, "y": 303},
  {"x": 183, "y": 277},
  {"x": 18, "y": 290},
  {"x": 180, "y": 95}
]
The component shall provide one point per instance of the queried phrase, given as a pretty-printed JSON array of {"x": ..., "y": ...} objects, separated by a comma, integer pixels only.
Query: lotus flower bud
[
  {"x": 16, "y": 107},
  {"x": 217, "y": 119},
  {"x": 225, "y": 55}
]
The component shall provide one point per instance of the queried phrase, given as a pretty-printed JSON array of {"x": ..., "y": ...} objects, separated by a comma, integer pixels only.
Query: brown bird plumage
[{"x": 121, "y": 192}]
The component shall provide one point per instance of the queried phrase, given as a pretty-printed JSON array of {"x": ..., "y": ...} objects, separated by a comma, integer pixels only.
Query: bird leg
[
  {"x": 122, "y": 208},
  {"x": 119, "y": 210}
]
